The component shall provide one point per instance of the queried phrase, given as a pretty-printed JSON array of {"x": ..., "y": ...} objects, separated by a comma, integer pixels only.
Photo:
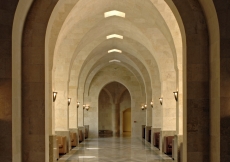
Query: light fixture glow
[
  {"x": 161, "y": 100},
  {"x": 54, "y": 96},
  {"x": 114, "y": 36},
  {"x": 142, "y": 107},
  {"x": 92, "y": 148},
  {"x": 87, "y": 157},
  {"x": 114, "y": 60},
  {"x": 114, "y": 13},
  {"x": 114, "y": 50},
  {"x": 78, "y": 103},
  {"x": 151, "y": 103},
  {"x": 69, "y": 101},
  {"x": 87, "y": 107},
  {"x": 176, "y": 95}
]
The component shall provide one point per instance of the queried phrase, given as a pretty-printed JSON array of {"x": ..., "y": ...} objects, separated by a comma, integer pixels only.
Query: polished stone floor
[{"x": 115, "y": 149}]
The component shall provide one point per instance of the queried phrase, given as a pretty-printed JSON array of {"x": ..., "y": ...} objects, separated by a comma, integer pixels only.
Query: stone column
[
  {"x": 149, "y": 115},
  {"x": 179, "y": 104},
  {"x": 116, "y": 119},
  {"x": 73, "y": 109},
  {"x": 61, "y": 111},
  {"x": 168, "y": 111},
  {"x": 168, "y": 106}
]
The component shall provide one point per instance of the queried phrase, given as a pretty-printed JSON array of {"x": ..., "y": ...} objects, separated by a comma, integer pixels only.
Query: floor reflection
[{"x": 114, "y": 149}]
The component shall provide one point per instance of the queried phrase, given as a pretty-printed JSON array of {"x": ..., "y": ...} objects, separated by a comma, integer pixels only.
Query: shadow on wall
[
  {"x": 6, "y": 140},
  {"x": 225, "y": 139}
]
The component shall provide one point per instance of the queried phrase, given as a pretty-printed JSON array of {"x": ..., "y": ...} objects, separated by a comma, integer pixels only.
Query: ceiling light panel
[
  {"x": 114, "y": 13},
  {"x": 114, "y": 50},
  {"x": 114, "y": 36},
  {"x": 114, "y": 60}
]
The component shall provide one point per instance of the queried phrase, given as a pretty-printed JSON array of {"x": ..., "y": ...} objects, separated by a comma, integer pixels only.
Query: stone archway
[
  {"x": 111, "y": 104},
  {"x": 17, "y": 90}
]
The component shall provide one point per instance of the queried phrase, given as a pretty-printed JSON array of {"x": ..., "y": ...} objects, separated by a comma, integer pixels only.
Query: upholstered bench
[
  {"x": 144, "y": 133},
  {"x": 80, "y": 135},
  {"x": 73, "y": 137},
  {"x": 62, "y": 144},
  {"x": 105, "y": 133},
  {"x": 149, "y": 139},
  {"x": 168, "y": 144},
  {"x": 86, "y": 133},
  {"x": 57, "y": 153},
  {"x": 156, "y": 139}
]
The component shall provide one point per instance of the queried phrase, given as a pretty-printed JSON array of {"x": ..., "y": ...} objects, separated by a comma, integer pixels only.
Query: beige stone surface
[{"x": 72, "y": 51}]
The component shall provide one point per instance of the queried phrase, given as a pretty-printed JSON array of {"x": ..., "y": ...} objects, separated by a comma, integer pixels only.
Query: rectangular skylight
[
  {"x": 114, "y": 13},
  {"x": 114, "y": 50},
  {"x": 114, "y": 36}
]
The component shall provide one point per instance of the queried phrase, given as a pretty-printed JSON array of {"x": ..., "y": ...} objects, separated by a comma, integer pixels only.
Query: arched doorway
[
  {"x": 114, "y": 99},
  {"x": 127, "y": 122}
]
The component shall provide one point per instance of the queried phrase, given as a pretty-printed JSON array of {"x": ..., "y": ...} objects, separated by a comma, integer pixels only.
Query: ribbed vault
[{"x": 150, "y": 64}]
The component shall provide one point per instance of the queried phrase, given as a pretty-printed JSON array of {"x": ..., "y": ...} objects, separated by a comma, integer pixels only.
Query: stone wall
[
  {"x": 7, "y": 10},
  {"x": 223, "y": 12},
  {"x": 34, "y": 136},
  {"x": 105, "y": 111}
]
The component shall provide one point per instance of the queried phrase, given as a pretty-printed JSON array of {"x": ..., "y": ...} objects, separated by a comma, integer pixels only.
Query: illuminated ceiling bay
[{"x": 138, "y": 44}]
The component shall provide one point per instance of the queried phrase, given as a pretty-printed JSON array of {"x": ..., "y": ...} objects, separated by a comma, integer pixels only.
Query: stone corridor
[{"x": 115, "y": 149}]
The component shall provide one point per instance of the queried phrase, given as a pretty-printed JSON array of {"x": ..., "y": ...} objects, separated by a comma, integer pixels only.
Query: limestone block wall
[
  {"x": 168, "y": 106},
  {"x": 35, "y": 128},
  {"x": 7, "y": 10},
  {"x": 198, "y": 59},
  {"x": 105, "y": 111}
]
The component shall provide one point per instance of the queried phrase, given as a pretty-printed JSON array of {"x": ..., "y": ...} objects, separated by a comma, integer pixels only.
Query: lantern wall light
[
  {"x": 69, "y": 101},
  {"x": 78, "y": 103},
  {"x": 151, "y": 103},
  {"x": 54, "y": 96},
  {"x": 87, "y": 107},
  {"x": 144, "y": 107},
  {"x": 161, "y": 100},
  {"x": 176, "y": 95}
]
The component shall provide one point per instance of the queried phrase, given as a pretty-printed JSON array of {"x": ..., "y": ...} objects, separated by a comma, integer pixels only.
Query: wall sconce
[
  {"x": 142, "y": 107},
  {"x": 54, "y": 96},
  {"x": 69, "y": 101},
  {"x": 87, "y": 107},
  {"x": 151, "y": 103},
  {"x": 176, "y": 95},
  {"x": 78, "y": 103},
  {"x": 161, "y": 100}
]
